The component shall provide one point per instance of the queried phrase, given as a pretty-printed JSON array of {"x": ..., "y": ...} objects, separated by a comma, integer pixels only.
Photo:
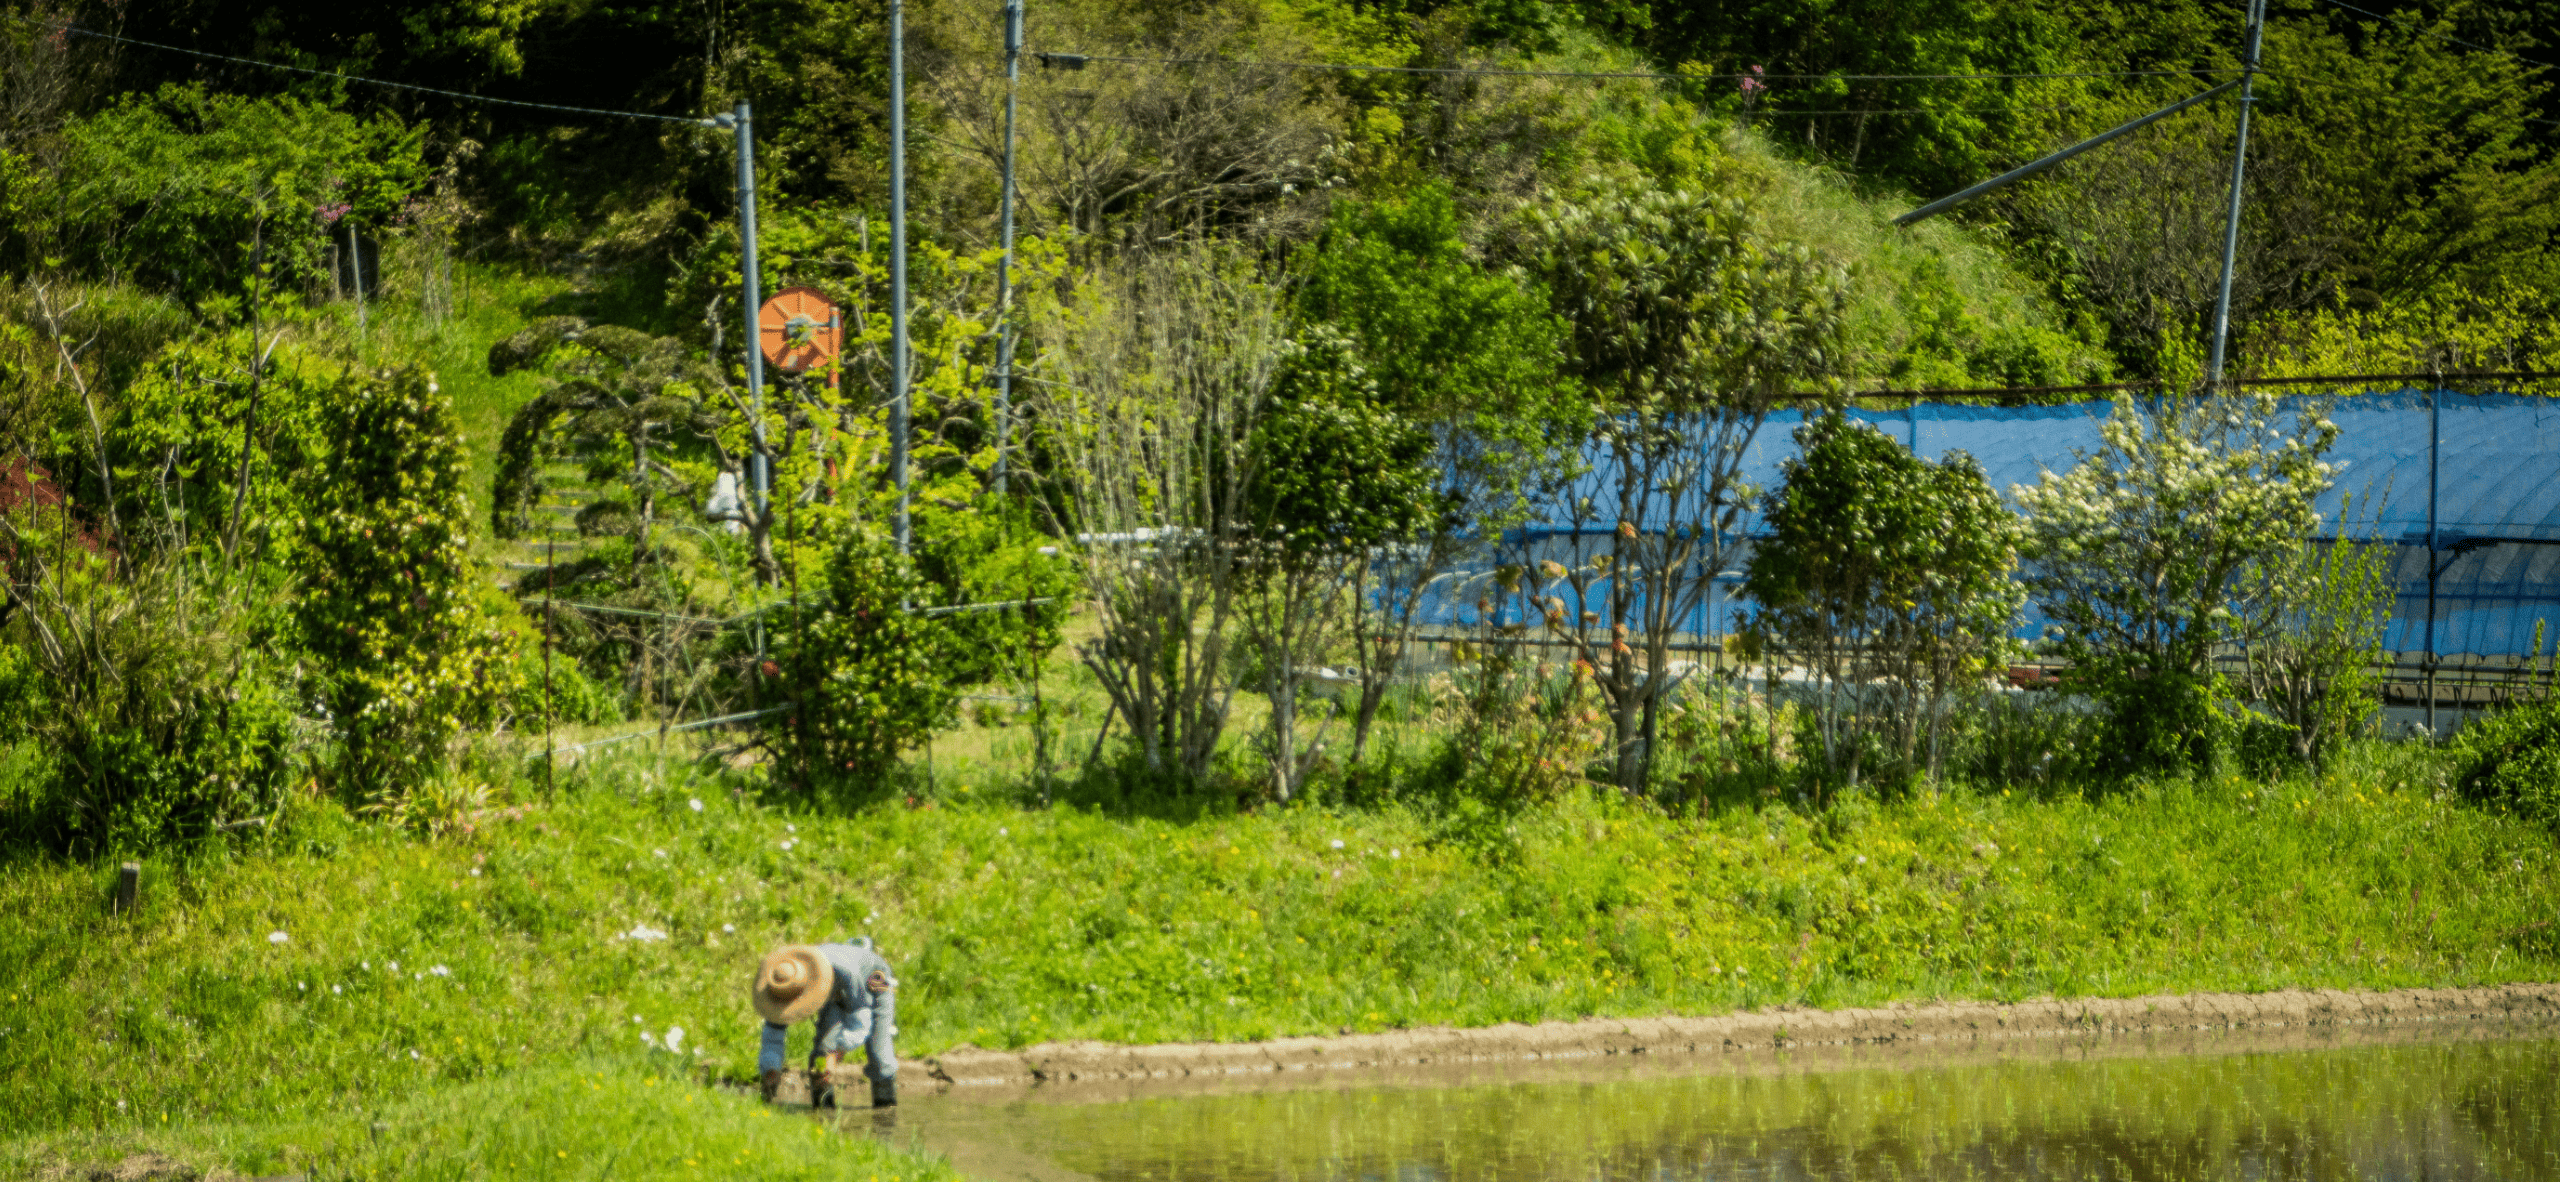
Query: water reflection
[{"x": 2472, "y": 1110}]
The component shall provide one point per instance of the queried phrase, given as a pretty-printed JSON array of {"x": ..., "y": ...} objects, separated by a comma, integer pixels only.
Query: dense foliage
[
  {"x": 2511, "y": 760},
  {"x": 1895, "y": 577},
  {"x": 1297, "y": 338},
  {"x": 406, "y": 658},
  {"x": 2143, "y": 554}
]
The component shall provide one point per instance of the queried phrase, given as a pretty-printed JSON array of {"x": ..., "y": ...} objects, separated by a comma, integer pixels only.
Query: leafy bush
[
  {"x": 863, "y": 669},
  {"x": 572, "y": 696},
  {"x": 2512, "y": 759},
  {"x": 405, "y": 656},
  {"x": 153, "y": 699},
  {"x": 2142, "y": 553},
  {"x": 1892, "y": 575},
  {"x": 204, "y": 453},
  {"x": 2313, "y": 665}
]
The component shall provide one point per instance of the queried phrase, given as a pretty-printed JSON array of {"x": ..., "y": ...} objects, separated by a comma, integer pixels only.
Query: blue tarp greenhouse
[{"x": 2479, "y": 471}]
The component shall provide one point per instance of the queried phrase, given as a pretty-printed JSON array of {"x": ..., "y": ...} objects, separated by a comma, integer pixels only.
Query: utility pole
[
  {"x": 2239, "y": 165},
  {"x": 898, "y": 391},
  {"x": 1004, "y": 264},
  {"x": 2435, "y": 444},
  {"x": 754, "y": 297}
]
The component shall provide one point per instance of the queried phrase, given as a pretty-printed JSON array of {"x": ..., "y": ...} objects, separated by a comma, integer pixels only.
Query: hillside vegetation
[{"x": 382, "y": 563}]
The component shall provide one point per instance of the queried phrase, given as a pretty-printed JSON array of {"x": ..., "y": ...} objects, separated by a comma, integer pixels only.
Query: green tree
[
  {"x": 623, "y": 398},
  {"x": 2142, "y": 553},
  {"x": 1453, "y": 348},
  {"x": 1337, "y": 478},
  {"x": 2425, "y": 155},
  {"x": 1893, "y": 576},
  {"x": 194, "y": 464},
  {"x": 1688, "y": 327},
  {"x": 1163, "y": 372},
  {"x": 1939, "y": 133},
  {"x": 201, "y": 193}
]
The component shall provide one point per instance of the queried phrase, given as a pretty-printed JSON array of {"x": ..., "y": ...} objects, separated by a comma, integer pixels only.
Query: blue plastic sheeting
[{"x": 2494, "y": 461}]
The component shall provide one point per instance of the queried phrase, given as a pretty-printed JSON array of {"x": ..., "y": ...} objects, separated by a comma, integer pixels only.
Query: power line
[
  {"x": 245, "y": 61},
  {"x": 1077, "y": 61}
]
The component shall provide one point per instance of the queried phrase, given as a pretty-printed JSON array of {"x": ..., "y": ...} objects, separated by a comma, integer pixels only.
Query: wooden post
[{"x": 128, "y": 886}]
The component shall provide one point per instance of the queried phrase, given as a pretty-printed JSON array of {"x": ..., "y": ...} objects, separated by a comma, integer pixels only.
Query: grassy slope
[
  {"x": 1015, "y": 925},
  {"x": 570, "y": 1119},
  {"x": 490, "y": 304}
]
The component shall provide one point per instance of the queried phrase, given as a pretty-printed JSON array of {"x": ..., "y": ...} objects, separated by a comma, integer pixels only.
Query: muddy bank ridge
[{"x": 1946, "y": 1023}]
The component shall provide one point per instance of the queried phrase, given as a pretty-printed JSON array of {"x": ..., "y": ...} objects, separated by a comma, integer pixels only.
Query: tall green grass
[
  {"x": 488, "y": 303},
  {"x": 607, "y": 1117},
  {"x": 529, "y": 943}
]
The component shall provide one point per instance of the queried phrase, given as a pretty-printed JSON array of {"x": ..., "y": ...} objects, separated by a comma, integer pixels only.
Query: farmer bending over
[{"x": 848, "y": 989}]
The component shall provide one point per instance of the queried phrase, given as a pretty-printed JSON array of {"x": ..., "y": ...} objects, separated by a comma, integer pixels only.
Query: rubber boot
[
  {"x": 884, "y": 1092},
  {"x": 822, "y": 1090}
]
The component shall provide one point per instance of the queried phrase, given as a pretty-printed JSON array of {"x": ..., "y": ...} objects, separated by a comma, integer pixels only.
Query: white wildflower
[
  {"x": 277, "y": 937},
  {"x": 695, "y": 804}
]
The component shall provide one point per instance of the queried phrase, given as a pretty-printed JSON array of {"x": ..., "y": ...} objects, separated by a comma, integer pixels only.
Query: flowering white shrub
[{"x": 2141, "y": 553}]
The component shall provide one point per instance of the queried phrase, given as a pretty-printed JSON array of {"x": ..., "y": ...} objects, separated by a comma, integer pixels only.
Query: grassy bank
[
  {"x": 588, "y": 1118},
  {"x": 511, "y": 963}
]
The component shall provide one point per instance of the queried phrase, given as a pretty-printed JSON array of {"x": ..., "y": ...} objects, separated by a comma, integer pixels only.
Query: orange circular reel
[{"x": 799, "y": 329}]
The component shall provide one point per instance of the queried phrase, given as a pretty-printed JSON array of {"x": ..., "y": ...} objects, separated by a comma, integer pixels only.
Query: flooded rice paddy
[{"x": 2442, "y": 1107}]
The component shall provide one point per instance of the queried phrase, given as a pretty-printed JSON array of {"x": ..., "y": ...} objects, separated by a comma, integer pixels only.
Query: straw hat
[{"x": 792, "y": 983}]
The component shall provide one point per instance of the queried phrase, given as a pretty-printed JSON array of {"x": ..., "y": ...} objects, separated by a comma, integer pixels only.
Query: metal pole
[
  {"x": 1004, "y": 264},
  {"x": 754, "y": 285},
  {"x": 2239, "y": 164},
  {"x": 355, "y": 271},
  {"x": 550, "y": 723},
  {"x": 2435, "y": 410},
  {"x": 898, "y": 409}
]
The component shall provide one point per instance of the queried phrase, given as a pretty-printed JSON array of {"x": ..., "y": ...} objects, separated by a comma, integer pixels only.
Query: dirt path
[{"x": 2160, "y": 1024}]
